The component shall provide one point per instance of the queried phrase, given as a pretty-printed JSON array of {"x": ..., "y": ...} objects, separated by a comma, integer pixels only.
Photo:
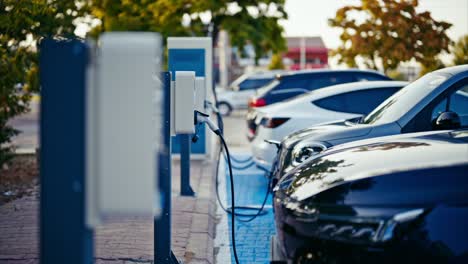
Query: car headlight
[{"x": 302, "y": 152}]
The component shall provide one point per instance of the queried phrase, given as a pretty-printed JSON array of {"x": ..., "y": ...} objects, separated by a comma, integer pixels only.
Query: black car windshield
[{"x": 404, "y": 100}]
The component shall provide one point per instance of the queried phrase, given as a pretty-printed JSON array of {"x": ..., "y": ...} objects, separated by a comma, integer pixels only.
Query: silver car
[{"x": 437, "y": 101}]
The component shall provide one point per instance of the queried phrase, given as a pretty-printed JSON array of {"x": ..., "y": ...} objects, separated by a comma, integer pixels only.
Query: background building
[{"x": 306, "y": 53}]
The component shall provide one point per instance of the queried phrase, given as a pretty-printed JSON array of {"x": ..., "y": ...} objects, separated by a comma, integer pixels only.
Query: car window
[
  {"x": 282, "y": 84},
  {"x": 270, "y": 86},
  {"x": 249, "y": 84},
  {"x": 291, "y": 83},
  {"x": 285, "y": 94},
  {"x": 351, "y": 102},
  {"x": 405, "y": 99},
  {"x": 439, "y": 108},
  {"x": 456, "y": 102},
  {"x": 324, "y": 80}
]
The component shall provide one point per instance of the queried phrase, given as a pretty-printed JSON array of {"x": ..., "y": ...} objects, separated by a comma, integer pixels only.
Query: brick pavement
[{"x": 125, "y": 240}]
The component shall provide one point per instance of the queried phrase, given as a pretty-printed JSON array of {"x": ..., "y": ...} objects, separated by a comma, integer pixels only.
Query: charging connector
[
  {"x": 204, "y": 118},
  {"x": 211, "y": 106}
]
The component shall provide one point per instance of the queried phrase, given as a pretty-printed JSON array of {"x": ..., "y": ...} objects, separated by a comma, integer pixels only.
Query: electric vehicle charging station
[
  {"x": 191, "y": 54},
  {"x": 106, "y": 166},
  {"x": 99, "y": 138}
]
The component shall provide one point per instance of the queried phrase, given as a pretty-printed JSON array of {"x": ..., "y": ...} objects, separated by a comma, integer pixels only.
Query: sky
[{"x": 309, "y": 17}]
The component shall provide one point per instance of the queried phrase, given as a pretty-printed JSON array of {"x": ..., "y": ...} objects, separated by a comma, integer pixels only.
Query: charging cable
[
  {"x": 240, "y": 167},
  {"x": 243, "y": 161},
  {"x": 204, "y": 118},
  {"x": 258, "y": 210}
]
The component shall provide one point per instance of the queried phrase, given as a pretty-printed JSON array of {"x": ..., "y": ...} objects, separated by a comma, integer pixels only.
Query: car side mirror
[{"x": 446, "y": 120}]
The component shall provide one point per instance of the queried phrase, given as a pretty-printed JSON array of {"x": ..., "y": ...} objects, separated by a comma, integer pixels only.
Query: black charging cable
[
  {"x": 234, "y": 249},
  {"x": 249, "y": 159},
  {"x": 240, "y": 167},
  {"x": 258, "y": 210},
  {"x": 231, "y": 210}
]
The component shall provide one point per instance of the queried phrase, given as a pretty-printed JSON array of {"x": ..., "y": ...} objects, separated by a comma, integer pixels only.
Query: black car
[
  {"x": 401, "y": 199},
  {"x": 438, "y": 100},
  {"x": 289, "y": 85}
]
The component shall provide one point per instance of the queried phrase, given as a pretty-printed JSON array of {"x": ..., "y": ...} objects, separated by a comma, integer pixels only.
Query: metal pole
[
  {"x": 64, "y": 238},
  {"x": 185, "y": 188},
  {"x": 162, "y": 225}
]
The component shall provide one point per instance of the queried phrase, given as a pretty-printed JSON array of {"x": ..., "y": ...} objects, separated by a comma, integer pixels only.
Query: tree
[
  {"x": 460, "y": 51},
  {"x": 276, "y": 62},
  {"x": 385, "y": 33},
  {"x": 23, "y": 23},
  {"x": 431, "y": 66},
  {"x": 247, "y": 22}
]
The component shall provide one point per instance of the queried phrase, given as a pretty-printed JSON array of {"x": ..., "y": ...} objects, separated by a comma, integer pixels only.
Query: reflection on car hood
[
  {"x": 337, "y": 169},
  {"x": 327, "y": 132}
]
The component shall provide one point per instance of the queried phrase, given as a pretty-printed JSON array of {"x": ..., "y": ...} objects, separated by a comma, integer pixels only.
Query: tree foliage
[
  {"x": 385, "y": 33},
  {"x": 22, "y": 25},
  {"x": 276, "y": 62},
  {"x": 460, "y": 51},
  {"x": 247, "y": 22}
]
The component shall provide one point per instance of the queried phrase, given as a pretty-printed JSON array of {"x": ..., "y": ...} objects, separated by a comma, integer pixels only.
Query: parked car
[
  {"x": 292, "y": 84},
  {"x": 337, "y": 102},
  {"x": 438, "y": 100},
  {"x": 401, "y": 199},
  {"x": 243, "y": 88}
]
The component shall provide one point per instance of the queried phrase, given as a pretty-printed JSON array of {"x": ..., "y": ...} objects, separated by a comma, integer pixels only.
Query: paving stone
[{"x": 124, "y": 240}]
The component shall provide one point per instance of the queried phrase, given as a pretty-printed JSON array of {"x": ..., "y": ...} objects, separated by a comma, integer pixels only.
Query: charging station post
[
  {"x": 162, "y": 225},
  {"x": 191, "y": 54},
  {"x": 64, "y": 236},
  {"x": 184, "y": 100}
]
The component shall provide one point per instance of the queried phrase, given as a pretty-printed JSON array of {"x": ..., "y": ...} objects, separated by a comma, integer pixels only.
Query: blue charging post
[
  {"x": 185, "y": 188},
  {"x": 64, "y": 237},
  {"x": 162, "y": 225}
]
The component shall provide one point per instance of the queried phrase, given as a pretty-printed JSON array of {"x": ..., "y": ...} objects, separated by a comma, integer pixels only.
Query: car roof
[
  {"x": 387, "y": 155},
  {"x": 318, "y": 71},
  {"x": 265, "y": 74},
  {"x": 355, "y": 86},
  {"x": 454, "y": 70}
]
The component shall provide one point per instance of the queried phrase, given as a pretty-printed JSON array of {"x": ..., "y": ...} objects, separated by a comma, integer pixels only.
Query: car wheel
[{"x": 224, "y": 108}]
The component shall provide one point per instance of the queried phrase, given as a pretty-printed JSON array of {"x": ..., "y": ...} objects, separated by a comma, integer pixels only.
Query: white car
[
  {"x": 337, "y": 102},
  {"x": 242, "y": 89}
]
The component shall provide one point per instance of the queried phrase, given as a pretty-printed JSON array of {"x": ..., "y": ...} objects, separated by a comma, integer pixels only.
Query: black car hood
[
  {"x": 391, "y": 172},
  {"x": 327, "y": 131}
]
